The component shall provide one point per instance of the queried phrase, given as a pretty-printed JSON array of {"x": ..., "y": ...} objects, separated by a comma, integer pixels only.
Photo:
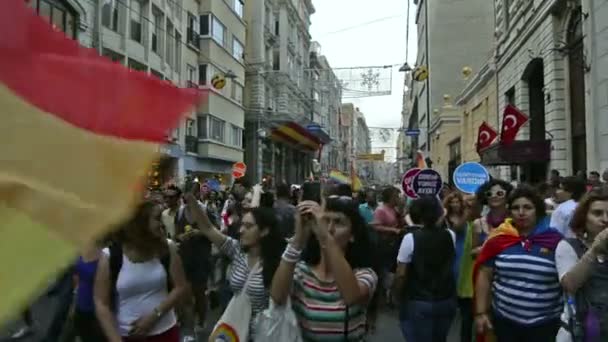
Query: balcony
[{"x": 191, "y": 144}]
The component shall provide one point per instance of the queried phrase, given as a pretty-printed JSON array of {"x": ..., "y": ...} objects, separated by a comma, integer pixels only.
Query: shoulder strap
[
  {"x": 577, "y": 245},
  {"x": 115, "y": 266}
]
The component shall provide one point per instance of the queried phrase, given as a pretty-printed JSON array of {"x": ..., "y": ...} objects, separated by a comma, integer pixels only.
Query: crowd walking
[{"x": 505, "y": 264}]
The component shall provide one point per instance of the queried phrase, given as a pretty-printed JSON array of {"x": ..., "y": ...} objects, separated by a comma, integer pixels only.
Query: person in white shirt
[
  {"x": 172, "y": 196},
  {"x": 568, "y": 194}
]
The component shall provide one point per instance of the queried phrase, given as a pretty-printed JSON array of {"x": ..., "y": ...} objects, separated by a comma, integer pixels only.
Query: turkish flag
[
  {"x": 485, "y": 136},
  {"x": 512, "y": 120}
]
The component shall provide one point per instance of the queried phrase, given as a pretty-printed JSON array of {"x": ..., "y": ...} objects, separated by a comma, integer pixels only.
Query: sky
[{"x": 369, "y": 35}]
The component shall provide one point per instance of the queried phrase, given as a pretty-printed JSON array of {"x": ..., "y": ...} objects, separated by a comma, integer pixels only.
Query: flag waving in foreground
[{"x": 77, "y": 132}]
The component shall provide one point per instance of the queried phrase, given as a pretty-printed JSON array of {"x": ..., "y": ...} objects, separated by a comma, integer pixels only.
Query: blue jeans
[{"x": 427, "y": 321}]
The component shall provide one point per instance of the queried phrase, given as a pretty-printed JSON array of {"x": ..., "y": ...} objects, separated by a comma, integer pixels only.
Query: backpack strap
[{"x": 115, "y": 266}]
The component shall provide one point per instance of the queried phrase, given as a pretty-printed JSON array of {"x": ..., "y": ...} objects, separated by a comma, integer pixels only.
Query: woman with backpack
[
  {"x": 583, "y": 270},
  {"x": 139, "y": 281}
]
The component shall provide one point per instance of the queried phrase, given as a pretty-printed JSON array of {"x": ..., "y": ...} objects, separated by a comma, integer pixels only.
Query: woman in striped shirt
[
  {"x": 330, "y": 288},
  {"x": 516, "y": 274},
  {"x": 260, "y": 244}
]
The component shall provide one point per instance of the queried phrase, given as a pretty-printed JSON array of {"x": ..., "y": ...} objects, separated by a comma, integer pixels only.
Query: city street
[{"x": 387, "y": 328}]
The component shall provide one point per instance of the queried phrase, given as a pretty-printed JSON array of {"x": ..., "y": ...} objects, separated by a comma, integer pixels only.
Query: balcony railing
[
  {"x": 193, "y": 38},
  {"x": 191, "y": 144}
]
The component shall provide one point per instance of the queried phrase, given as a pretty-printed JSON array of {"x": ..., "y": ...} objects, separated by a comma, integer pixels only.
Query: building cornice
[{"x": 477, "y": 83}]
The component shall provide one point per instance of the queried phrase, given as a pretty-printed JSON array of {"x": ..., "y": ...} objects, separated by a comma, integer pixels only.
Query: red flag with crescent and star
[
  {"x": 485, "y": 136},
  {"x": 512, "y": 120}
]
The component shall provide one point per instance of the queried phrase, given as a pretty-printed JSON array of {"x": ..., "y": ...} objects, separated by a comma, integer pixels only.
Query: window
[
  {"x": 276, "y": 60},
  {"x": 62, "y": 17},
  {"x": 238, "y": 7},
  {"x": 135, "y": 15},
  {"x": 276, "y": 28},
  {"x": 135, "y": 65},
  {"x": 217, "y": 129},
  {"x": 316, "y": 95},
  {"x": 190, "y": 128},
  {"x": 237, "y": 92},
  {"x": 202, "y": 74},
  {"x": 510, "y": 96},
  {"x": 109, "y": 15},
  {"x": 202, "y": 127},
  {"x": 237, "y": 49},
  {"x": 178, "y": 51},
  {"x": 169, "y": 42},
  {"x": 204, "y": 22},
  {"x": 236, "y": 136},
  {"x": 156, "y": 29},
  {"x": 191, "y": 75},
  {"x": 193, "y": 29},
  {"x": 218, "y": 32},
  {"x": 157, "y": 74}
]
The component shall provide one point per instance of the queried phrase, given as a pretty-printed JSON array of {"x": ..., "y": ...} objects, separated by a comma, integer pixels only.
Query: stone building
[{"x": 279, "y": 96}]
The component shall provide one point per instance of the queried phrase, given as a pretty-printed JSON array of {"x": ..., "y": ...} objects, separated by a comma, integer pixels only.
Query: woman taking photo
[
  {"x": 492, "y": 194},
  {"x": 258, "y": 250},
  {"x": 139, "y": 281},
  {"x": 331, "y": 287},
  {"x": 517, "y": 291},
  {"x": 425, "y": 276},
  {"x": 584, "y": 272}
]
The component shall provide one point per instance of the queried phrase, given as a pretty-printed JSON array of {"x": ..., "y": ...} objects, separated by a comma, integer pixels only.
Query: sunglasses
[
  {"x": 340, "y": 198},
  {"x": 498, "y": 193}
]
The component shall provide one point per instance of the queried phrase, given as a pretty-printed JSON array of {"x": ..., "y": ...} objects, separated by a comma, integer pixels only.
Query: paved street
[{"x": 387, "y": 329}]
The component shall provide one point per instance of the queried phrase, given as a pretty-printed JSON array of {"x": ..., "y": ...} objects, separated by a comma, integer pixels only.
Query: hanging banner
[{"x": 468, "y": 177}]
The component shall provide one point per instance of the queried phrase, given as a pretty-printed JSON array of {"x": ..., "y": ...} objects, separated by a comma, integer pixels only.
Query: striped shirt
[
  {"x": 526, "y": 288},
  {"x": 237, "y": 275},
  {"x": 320, "y": 309}
]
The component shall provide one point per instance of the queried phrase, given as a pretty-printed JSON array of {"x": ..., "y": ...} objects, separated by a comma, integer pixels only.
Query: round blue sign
[
  {"x": 427, "y": 183},
  {"x": 468, "y": 177}
]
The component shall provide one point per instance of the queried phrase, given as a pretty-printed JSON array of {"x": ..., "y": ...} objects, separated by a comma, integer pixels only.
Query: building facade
[
  {"x": 181, "y": 42},
  {"x": 279, "y": 96},
  {"x": 451, "y": 35},
  {"x": 540, "y": 68},
  {"x": 220, "y": 121},
  {"x": 595, "y": 57}
]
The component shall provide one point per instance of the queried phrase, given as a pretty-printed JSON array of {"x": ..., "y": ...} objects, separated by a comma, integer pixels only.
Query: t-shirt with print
[{"x": 320, "y": 308}]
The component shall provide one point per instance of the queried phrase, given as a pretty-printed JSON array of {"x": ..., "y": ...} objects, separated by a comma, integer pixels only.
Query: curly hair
[
  {"x": 359, "y": 252},
  {"x": 136, "y": 231},
  {"x": 454, "y": 195},
  {"x": 578, "y": 224},
  {"x": 480, "y": 194},
  {"x": 531, "y": 194}
]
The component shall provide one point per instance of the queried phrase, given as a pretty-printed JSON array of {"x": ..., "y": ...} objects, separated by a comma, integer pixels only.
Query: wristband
[{"x": 291, "y": 254}]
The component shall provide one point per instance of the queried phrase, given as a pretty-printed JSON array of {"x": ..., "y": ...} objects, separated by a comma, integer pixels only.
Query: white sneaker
[{"x": 22, "y": 332}]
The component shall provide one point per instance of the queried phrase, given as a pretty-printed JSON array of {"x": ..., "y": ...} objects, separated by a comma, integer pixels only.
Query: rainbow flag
[
  {"x": 77, "y": 134},
  {"x": 341, "y": 178}
]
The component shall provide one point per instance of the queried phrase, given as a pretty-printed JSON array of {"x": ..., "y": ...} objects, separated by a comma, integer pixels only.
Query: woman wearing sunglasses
[
  {"x": 333, "y": 283},
  {"x": 517, "y": 290},
  {"x": 492, "y": 194}
]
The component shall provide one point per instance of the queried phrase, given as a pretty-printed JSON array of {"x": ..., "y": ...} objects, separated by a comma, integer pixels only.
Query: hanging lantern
[
  {"x": 218, "y": 81},
  {"x": 421, "y": 73},
  {"x": 466, "y": 72}
]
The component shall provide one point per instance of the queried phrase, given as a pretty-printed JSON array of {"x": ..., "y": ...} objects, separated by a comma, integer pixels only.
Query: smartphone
[{"x": 311, "y": 191}]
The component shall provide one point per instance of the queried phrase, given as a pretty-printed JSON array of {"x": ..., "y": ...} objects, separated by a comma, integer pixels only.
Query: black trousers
[
  {"x": 87, "y": 327},
  {"x": 465, "y": 306},
  {"x": 509, "y": 331}
]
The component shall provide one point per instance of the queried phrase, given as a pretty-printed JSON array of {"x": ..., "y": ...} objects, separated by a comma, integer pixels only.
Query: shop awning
[
  {"x": 519, "y": 152},
  {"x": 317, "y": 131},
  {"x": 292, "y": 133}
]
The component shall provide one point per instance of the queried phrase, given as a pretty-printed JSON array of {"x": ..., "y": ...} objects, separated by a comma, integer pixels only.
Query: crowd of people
[{"x": 513, "y": 263}]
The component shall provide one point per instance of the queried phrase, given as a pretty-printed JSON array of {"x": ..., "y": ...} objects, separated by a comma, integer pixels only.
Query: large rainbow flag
[{"x": 77, "y": 133}]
